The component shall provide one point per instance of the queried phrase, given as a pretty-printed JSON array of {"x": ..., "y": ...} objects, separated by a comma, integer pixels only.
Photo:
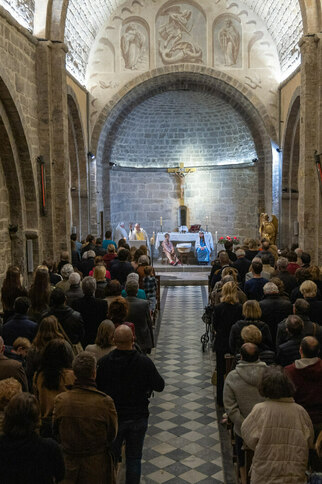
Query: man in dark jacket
[
  {"x": 129, "y": 378},
  {"x": 242, "y": 265},
  {"x": 139, "y": 314},
  {"x": 70, "y": 320},
  {"x": 288, "y": 352},
  {"x": 93, "y": 310},
  {"x": 120, "y": 267},
  {"x": 19, "y": 325},
  {"x": 274, "y": 308},
  {"x": 265, "y": 251},
  {"x": 282, "y": 273}
]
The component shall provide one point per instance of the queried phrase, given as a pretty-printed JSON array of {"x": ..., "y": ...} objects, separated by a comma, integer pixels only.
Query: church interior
[{"x": 124, "y": 111}]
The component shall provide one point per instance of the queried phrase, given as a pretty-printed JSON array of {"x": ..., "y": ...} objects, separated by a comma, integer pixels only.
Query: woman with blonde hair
[
  {"x": 252, "y": 313},
  {"x": 310, "y": 294},
  {"x": 224, "y": 316},
  {"x": 101, "y": 282},
  {"x": 252, "y": 334},
  {"x": 104, "y": 340}
]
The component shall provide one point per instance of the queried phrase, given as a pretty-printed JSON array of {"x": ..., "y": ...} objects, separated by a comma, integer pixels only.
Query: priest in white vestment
[
  {"x": 120, "y": 232},
  {"x": 138, "y": 234}
]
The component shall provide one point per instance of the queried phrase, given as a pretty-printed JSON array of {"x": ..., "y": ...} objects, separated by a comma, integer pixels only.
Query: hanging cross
[{"x": 181, "y": 172}]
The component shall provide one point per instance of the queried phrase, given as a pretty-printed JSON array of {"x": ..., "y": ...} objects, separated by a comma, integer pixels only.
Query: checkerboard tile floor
[{"x": 182, "y": 442}]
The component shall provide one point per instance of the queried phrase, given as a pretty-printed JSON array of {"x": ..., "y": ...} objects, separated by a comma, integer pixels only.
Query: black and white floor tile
[{"x": 182, "y": 442}]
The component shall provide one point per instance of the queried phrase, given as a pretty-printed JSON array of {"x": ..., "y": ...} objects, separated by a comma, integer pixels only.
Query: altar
[{"x": 177, "y": 237}]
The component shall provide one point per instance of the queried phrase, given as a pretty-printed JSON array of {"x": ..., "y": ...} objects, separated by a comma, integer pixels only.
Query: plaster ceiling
[{"x": 84, "y": 19}]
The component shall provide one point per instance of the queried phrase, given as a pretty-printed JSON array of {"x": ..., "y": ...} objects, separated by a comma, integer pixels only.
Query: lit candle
[{"x": 160, "y": 220}]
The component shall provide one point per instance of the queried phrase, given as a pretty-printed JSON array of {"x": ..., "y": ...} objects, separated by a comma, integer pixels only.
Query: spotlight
[
  {"x": 278, "y": 150},
  {"x": 91, "y": 155},
  {"x": 111, "y": 163},
  {"x": 255, "y": 160}
]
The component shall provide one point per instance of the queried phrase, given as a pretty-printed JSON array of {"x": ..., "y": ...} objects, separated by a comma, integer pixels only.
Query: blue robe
[{"x": 203, "y": 255}]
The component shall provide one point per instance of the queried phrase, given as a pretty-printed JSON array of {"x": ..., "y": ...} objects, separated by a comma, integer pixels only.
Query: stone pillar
[
  {"x": 310, "y": 126},
  {"x": 53, "y": 136}
]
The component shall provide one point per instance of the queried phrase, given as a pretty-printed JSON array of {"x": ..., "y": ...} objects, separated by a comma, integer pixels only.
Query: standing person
[
  {"x": 202, "y": 249},
  {"x": 129, "y": 378},
  {"x": 139, "y": 315},
  {"x": 11, "y": 289},
  {"x": 108, "y": 240},
  {"x": 225, "y": 315},
  {"x": 26, "y": 458},
  {"x": 242, "y": 265},
  {"x": 279, "y": 431},
  {"x": 120, "y": 267},
  {"x": 85, "y": 420},
  {"x": 168, "y": 250},
  {"x": 19, "y": 324},
  {"x": 150, "y": 287},
  {"x": 120, "y": 233},
  {"x": 254, "y": 286},
  {"x": 39, "y": 294}
]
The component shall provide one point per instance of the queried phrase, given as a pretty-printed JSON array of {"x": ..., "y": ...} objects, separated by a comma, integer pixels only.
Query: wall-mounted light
[
  {"x": 111, "y": 164},
  {"x": 278, "y": 150},
  {"x": 255, "y": 160},
  {"x": 73, "y": 189},
  {"x": 91, "y": 155}
]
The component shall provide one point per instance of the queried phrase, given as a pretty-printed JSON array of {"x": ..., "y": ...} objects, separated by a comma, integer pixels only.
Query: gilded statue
[{"x": 268, "y": 228}]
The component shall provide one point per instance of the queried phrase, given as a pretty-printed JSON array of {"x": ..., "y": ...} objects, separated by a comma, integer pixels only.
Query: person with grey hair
[
  {"x": 282, "y": 273},
  {"x": 249, "y": 274},
  {"x": 242, "y": 265},
  {"x": 75, "y": 291},
  {"x": 274, "y": 308},
  {"x": 134, "y": 276},
  {"x": 66, "y": 271},
  {"x": 289, "y": 351},
  {"x": 92, "y": 309},
  {"x": 86, "y": 435},
  {"x": 139, "y": 314}
]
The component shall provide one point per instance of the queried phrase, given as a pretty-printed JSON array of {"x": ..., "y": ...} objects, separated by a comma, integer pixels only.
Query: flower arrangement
[{"x": 234, "y": 240}]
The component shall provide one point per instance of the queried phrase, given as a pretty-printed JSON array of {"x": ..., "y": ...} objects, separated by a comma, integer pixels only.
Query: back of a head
[
  {"x": 98, "y": 241},
  {"x": 282, "y": 263},
  {"x": 144, "y": 249},
  {"x": 240, "y": 253},
  {"x": 73, "y": 237},
  {"x": 123, "y": 337},
  {"x": 249, "y": 352},
  {"x": 84, "y": 366},
  {"x": 122, "y": 254},
  {"x": 131, "y": 287},
  {"x": 252, "y": 310},
  {"x": 310, "y": 347},
  {"x": 22, "y": 343},
  {"x": 302, "y": 307},
  {"x": 99, "y": 273},
  {"x": 265, "y": 244},
  {"x": 303, "y": 274},
  {"x": 90, "y": 238},
  {"x": 148, "y": 270},
  {"x": 252, "y": 244},
  {"x": 305, "y": 258},
  {"x": 114, "y": 288},
  {"x": 57, "y": 297},
  {"x": 315, "y": 272},
  {"x": 9, "y": 387},
  {"x": 133, "y": 276},
  {"x": 89, "y": 286},
  {"x": 108, "y": 234},
  {"x": 257, "y": 267},
  {"x": 275, "y": 384},
  {"x": 48, "y": 330},
  {"x": 308, "y": 289},
  {"x": 223, "y": 258},
  {"x": 294, "y": 325},
  {"x": 229, "y": 293},
  {"x": 251, "y": 334},
  {"x": 143, "y": 260},
  {"x": 265, "y": 259},
  {"x": 57, "y": 355},
  {"x": 105, "y": 333},
  {"x": 227, "y": 279},
  {"x": 270, "y": 288},
  {"x": 64, "y": 255},
  {"x": 117, "y": 310},
  {"x": 90, "y": 254},
  {"x": 292, "y": 257},
  {"x": 111, "y": 249},
  {"x": 74, "y": 279},
  {"x": 21, "y": 305},
  {"x": 21, "y": 416},
  {"x": 278, "y": 283},
  {"x": 230, "y": 271},
  {"x": 228, "y": 244},
  {"x": 66, "y": 271}
]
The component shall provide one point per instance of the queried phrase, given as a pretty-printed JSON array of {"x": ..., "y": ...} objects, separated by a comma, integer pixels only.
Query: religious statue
[
  {"x": 229, "y": 39},
  {"x": 132, "y": 46},
  {"x": 173, "y": 48},
  {"x": 268, "y": 228}
]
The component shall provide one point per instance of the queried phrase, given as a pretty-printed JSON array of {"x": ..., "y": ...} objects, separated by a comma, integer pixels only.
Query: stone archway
[
  {"x": 254, "y": 115},
  {"x": 19, "y": 206},
  {"x": 78, "y": 169},
  {"x": 290, "y": 191}
]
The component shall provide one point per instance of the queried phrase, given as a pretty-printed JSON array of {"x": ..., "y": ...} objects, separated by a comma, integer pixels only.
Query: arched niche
[
  {"x": 78, "y": 167},
  {"x": 135, "y": 44},
  {"x": 290, "y": 189},
  {"x": 227, "y": 41}
]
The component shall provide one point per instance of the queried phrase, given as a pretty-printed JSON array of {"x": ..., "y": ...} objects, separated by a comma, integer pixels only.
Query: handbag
[{"x": 76, "y": 347}]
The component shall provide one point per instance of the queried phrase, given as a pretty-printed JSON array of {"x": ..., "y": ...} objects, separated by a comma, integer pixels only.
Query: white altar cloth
[{"x": 188, "y": 237}]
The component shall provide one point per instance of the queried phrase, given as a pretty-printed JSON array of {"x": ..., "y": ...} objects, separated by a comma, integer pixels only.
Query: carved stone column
[
  {"x": 310, "y": 126},
  {"x": 53, "y": 136}
]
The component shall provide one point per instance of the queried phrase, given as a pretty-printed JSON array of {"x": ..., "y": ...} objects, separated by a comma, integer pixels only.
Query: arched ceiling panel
[
  {"x": 22, "y": 11},
  {"x": 84, "y": 19}
]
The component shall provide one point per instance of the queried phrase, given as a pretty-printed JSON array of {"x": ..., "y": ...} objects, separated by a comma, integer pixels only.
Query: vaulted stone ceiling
[{"x": 282, "y": 19}]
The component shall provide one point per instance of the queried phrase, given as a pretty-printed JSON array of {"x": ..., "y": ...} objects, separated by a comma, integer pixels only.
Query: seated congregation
[
  {"x": 266, "y": 319},
  {"x": 75, "y": 378}
]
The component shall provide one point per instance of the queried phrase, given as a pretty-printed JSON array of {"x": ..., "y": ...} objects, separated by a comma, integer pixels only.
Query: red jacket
[{"x": 308, "y": 384}]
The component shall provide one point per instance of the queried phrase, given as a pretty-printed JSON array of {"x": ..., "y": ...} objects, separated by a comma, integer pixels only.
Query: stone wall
[
  {"x": 227, "y": 196},
  {"x": 194, "y": 128},
  {"x": 5, "y": 244}
]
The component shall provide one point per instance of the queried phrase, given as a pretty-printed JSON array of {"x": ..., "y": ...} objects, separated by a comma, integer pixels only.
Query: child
[{"x": 150, "y": 287}]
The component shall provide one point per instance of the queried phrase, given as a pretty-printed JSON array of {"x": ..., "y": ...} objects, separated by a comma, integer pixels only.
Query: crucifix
[{"x": 181, "y": 172}]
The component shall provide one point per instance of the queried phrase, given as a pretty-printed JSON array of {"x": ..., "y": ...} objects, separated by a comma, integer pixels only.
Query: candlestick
[
  {"x": 160, "y": 220},
  {"x": 216, "y": 237}
]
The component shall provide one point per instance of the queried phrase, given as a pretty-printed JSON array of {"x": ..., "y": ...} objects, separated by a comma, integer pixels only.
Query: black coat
[
  {"x": 288, "y": 352},
  {"x": 310, "y": 329},
  {"x": 235, "y": 339},
  {"x": 93, "y": 312},
  {"x": 120, "y": 270},
  {"x": 242, "y": 265},
  {"x": 274, "y": 310},
  {"x": 70, "y": 320},
  {"x": 223, "y": 317},
  {"x": 315, "y": 312}
]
